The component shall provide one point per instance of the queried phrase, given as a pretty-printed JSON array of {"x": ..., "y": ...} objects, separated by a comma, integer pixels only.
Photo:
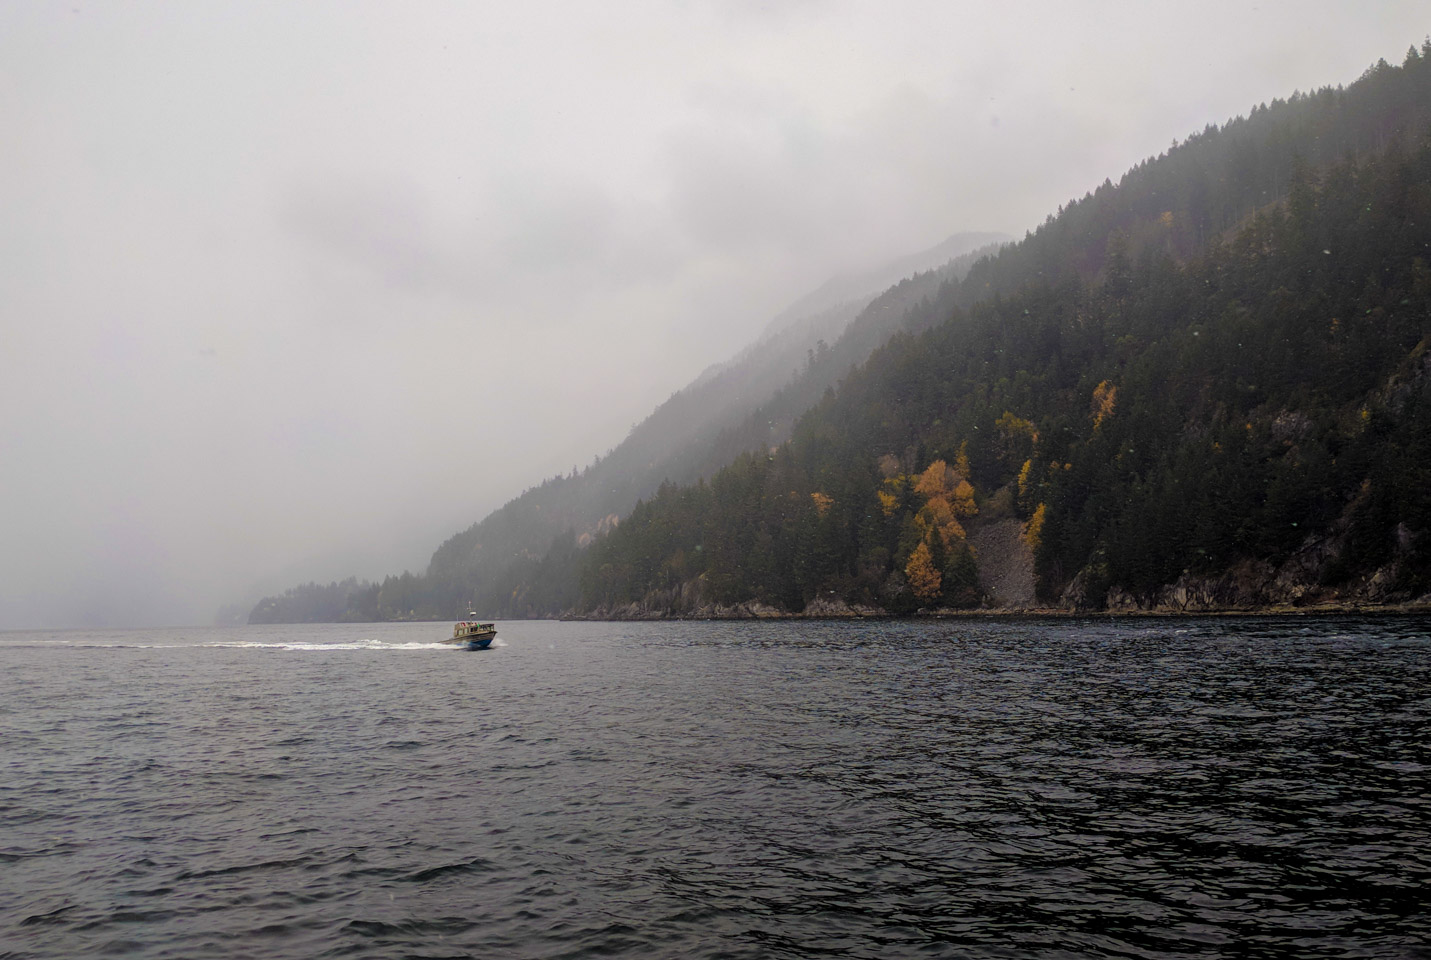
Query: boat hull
[{"x": 472, "y": 635}]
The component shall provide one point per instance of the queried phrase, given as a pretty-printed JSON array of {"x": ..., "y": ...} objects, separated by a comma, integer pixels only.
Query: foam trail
[{"x": 301, "y": 645}]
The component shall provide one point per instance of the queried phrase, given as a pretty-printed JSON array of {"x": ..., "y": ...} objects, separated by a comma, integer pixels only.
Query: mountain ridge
[
  {"x": 1181, "y": 417},
  {"x": 1064, "y": 383},
  {"x": 492, "y": 564}
]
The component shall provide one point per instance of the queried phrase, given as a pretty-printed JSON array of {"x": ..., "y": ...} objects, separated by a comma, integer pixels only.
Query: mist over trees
[
  {"x": 1219, "y": 364},
  {"x": 1176, "y": 417},
  {"x": 519, "y": 560}
]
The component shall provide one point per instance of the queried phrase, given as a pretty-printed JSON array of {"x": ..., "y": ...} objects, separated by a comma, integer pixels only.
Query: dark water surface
[{"x": 1145, "y": 788}]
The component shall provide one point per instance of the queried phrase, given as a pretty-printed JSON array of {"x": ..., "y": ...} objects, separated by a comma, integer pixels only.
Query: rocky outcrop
[
  {"x": 1253, "y": 585},
  {"x": 1006, "y": 572},
  {"x": 689, "y": 602},
  {"x": 835, "y": 607},
  {"x": 749, "y": 610},
  {"x": 646, "y": 610}
]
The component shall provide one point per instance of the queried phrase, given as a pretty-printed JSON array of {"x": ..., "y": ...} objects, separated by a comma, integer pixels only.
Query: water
[{"x": 1146, "y": 788}]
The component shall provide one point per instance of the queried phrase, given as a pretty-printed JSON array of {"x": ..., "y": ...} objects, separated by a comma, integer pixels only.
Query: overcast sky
[{"x": 297, "y": 290}]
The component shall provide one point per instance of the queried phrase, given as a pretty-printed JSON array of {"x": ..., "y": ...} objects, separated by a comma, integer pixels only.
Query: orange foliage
[
  {"x": 948, "y": 497},
  {"x": 924, "y": 578},
  {"x": 962, "y": 499},
  {"x": 937, "y": 516},
  {"x": 936, "y": 480},
  {"x": 1105, "y": 398}
]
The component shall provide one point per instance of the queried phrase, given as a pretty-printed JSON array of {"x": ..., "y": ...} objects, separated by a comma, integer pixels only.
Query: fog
[{"x": 295, "y": 291}]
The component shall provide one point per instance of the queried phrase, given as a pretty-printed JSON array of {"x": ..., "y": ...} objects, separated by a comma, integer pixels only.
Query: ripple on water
[{"x": 1195, "y": 788}]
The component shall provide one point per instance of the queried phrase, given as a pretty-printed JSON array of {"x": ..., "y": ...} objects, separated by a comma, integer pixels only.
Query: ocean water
[{"x": 962, "y": 788}]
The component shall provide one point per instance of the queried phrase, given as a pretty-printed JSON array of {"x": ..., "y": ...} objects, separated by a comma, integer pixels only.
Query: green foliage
[
  {"x": 1205, "y": 364},
  {"x": 1198, "y": 407},
  {"x": 348, "y": 600}
]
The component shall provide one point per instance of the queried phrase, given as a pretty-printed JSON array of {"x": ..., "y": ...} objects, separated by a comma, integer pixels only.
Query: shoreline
[
  {"x": 827, "y": 612},
  {"x": 998, "y": 613}
]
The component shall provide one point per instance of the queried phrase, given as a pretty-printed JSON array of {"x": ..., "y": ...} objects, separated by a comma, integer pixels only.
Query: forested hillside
[
  {"x": 520, "y": 560},
  {"x": 1195, "y": 416},
  {"x": 1208, "y": 385}
]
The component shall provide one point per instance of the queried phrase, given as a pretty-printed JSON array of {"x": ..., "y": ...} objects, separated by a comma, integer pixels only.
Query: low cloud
[{"x": 297, "y": 293}]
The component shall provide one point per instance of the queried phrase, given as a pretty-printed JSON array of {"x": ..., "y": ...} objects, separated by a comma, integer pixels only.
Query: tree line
[{"x": 1207, "y": 362}]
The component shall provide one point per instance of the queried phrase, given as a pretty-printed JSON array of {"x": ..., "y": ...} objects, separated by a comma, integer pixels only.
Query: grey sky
[{"x": 298, "y": 290}]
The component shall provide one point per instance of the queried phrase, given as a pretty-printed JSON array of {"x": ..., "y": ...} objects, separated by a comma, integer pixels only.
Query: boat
[{"x": 472, "y": 634}]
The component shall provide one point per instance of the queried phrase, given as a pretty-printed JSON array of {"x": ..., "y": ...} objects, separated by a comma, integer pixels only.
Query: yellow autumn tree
[
  {"x": 891, "y": 491},
  {"x": 962, "y": 499},
  {"x": 948, "y": 498},
  {"x": 924, "y": 578},
  {"x": 961, "y": 461},
  {"x": 1105, "y": 398},
  {"x": 1012, "y": 426},
  {"x": 823, "y": 502},
  {"x": 936, "y": 480},
  {"x": 940, "y": 481},
  {"x": 937, "y": 518},
  {"x": 1033, "y": 530},
  {"x": 1018, "y": 438},
  {"x": 1024, "y": 473}
]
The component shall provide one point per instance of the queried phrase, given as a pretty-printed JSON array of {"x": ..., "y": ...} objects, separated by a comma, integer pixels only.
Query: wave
[
  {"x": 363, "y": 644},
  {"x": 336, "y": 645}
]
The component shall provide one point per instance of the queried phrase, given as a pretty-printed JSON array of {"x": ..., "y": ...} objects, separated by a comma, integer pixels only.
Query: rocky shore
[{"x": 1006, "y": 570}]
